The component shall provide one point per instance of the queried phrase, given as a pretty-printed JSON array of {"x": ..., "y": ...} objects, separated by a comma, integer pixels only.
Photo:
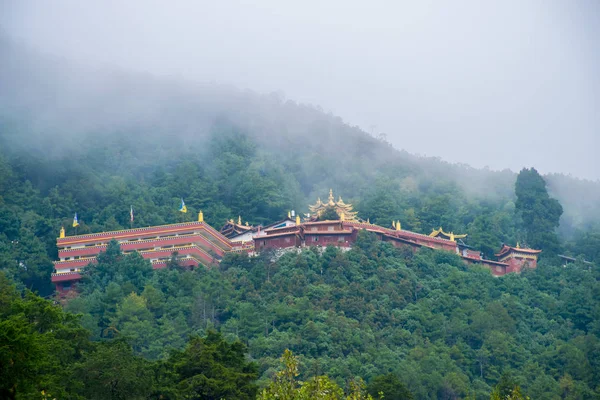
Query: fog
[{"x": 503, "y": 85}]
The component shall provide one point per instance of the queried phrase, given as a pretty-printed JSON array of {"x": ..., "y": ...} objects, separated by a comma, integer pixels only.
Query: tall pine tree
[{"x": 540, "y": 214}]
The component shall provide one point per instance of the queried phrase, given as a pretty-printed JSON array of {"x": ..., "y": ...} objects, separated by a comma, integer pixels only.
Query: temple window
[{"x": 315, "y": 238}]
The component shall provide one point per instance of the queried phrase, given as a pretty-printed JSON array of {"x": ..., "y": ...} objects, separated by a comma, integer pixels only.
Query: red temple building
[
  {"x": 518, "y": 258},
  {"x": 197, "y": 243}
]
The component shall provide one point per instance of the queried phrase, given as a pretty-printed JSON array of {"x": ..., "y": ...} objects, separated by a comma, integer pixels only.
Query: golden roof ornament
[
  {"x": 331, "y": 201},
  {"x": 200, "y": 216},
  {"x": 239, "y": 219},
  {"x": 342, "y": 217},
  {"x": 398, "y": 226},
  {"x": 317, "y": 209},
  {"x": 445, "y": 235},
  {"x": 297, "y": 220},
  {"x": 62, "y": 233},
  {"x": 289, "y": 214}
]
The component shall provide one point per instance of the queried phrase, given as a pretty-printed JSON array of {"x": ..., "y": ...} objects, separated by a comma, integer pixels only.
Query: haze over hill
[
  {"x": 508, "y": 85},
  {"x": 56, "y": 109}
]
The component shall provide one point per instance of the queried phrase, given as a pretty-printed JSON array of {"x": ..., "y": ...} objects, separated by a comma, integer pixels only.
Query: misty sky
[{"x": 503, "y": 84}]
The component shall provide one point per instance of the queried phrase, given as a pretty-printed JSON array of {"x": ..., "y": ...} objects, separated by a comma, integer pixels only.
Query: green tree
[
  {"x": 329, "y": 214},
  {"x": 210, "y": 368},
  {"x": 539, "y": 212},
  {"x": 113, "y": 372},
  {"x": 391, "y": 387},
  {"x": 39, "y": 343}
]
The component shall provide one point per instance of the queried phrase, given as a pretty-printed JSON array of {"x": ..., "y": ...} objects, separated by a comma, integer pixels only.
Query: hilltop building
[{"x": 197, "y": 243}]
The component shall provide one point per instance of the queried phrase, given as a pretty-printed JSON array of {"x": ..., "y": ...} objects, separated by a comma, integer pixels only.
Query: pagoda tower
[{"x": 342, "y": 209}]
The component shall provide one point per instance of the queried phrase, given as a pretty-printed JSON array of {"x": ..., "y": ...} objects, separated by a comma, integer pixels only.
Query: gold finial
[
  {"x": 368, "y": 222},
  {"x": 239, "y": 219},
  {"x": 297, "y": 220},
  {"x": 452, "y": 237},
  {"x": 518, "y": 245},
  {"x": 289, "y": 214},
  {"x": 394, "y": 224},
  {"x": 200, "y": 216},
  {"x": 342, "y": 217},
  {"x": 398, "y": 226},
  {"x": 62, "y": 233},
  {"x": 247, "y": 223}
]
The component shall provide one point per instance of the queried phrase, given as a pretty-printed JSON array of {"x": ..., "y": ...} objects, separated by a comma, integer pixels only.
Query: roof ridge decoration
[{"x": 450, "y": 235}]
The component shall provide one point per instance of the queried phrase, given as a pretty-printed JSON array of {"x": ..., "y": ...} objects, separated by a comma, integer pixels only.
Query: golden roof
[
  {"x": 341, "y": 208},
  {"x": 451, "y": 236}
]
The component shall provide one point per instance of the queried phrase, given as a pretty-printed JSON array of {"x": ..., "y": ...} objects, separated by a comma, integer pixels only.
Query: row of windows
[
  {"x": 131, "y": 240},
  {"x": 131, "y": 251},
  {"x": 314, "y": 239}
]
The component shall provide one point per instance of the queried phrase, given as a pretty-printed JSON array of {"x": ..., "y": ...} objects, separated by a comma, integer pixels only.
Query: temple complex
[{"x": 197, "y": 243}]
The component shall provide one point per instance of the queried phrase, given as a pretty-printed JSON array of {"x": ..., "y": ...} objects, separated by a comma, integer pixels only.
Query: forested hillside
[{"x": 95, "y": 142}]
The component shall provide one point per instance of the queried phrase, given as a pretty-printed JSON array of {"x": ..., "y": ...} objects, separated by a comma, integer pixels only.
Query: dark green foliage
[
  {"x": 113, "y": 372},
  {"x": 212, "y": 369},
  {"x": 447, "y": 330},
  {"x": 391, "y": 387},
  {"x": 329, "y": 215},
  {"x": 540, "y": 213},
  {"x": 45, "y": 353},
  {"x": 39, "y": 343}
]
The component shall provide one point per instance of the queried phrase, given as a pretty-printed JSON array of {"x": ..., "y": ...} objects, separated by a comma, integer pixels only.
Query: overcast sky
[{"x": 503, "y": 84}]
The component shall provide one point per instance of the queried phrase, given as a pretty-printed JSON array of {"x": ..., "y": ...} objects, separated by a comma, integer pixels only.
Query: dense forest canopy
[{"x": 95, "y": 142}]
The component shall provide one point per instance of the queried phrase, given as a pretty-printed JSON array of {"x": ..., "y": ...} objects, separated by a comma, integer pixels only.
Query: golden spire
[
  {"x": 62, "y": 233},
  {"x": 317, "y": 209},
  {"x": 518, "y": 245},
  {"x": 297, "y": 220},
  {"x": 239, "y": 219},
  {"x": 342, "y": 217},
  {"x": 289, "y": 214},
  {"x": 398, "y": 226},
  {"x": 200, "y": 216},
  {"x": 368, "y": 222},
  {"x": 247, "y": 223}
]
